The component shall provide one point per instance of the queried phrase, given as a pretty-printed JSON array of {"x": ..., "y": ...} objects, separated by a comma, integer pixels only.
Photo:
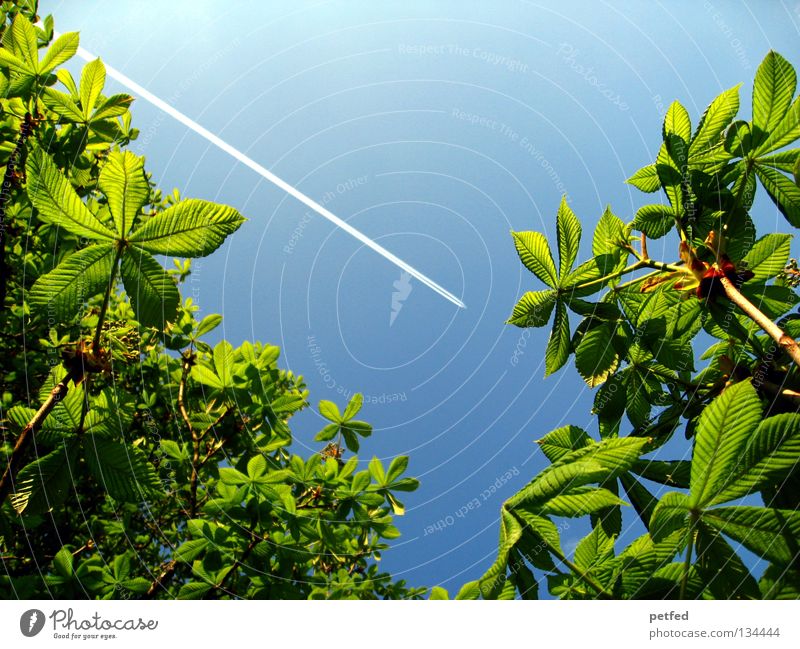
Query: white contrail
[{"x": 268, "y": 175}]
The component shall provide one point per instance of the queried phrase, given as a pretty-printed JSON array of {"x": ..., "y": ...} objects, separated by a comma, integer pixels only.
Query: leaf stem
[
  {"x": 660, "y": 266},
  {"x": 106, "y": 298}
]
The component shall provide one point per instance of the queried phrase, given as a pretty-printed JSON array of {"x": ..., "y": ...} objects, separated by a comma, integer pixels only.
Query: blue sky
[{"x": 435, "y": 128}]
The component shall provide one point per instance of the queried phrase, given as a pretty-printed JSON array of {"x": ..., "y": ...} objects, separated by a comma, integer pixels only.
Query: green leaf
[
  {"x": 194, "y": 590},
  {"x": 722, "y": 433},
  {"x": 773, "y": 300},
  {"x": 642, "y": 500},
  {"x": 769, "y": 533},
  {"x": 716, "y": 118},
  {"x": 151, "y": 290},
  {"x": 353, "y": 407},
  {"x": 568, "y": 229},
  {"x": 594, "y": 548},
  {"x": 256, "y": 466},
  {"x": 67, "y": 411},
  {"x": 676, "y": 121},
  {"x": 768, "y": 256},
  {"x": 14, "y": 63},
  {"x": 470, "y": 590},
  {"x": 328, "y": 433},
  {"x": 557, "y": 352},
  {"x": 123, "y": 182},
  {"x": 192, "y": 228},
  {"x": 595, "y": 356},
  {"x": 437, "y": 592},
  {"x": 779, "y": 583},
  {"x": 122, "y": 470},
  {"x": 25, "y": 44},
  {"x": 63, "y": 291},
  {"x": 654, "y": 220},
  {"x": 784, "y": 160},
  {"x": 223, "y": 362},
  {"x": 673, "y": 473},
  {"x": 533, "y": 309},
  {"x": 62, "y": 563},
  {"x": 45, "y": 483},
  {"x": 62, "y": 104},
  {"x": 580, "y": 502},
  {"x": 54, "y": 197},
  {"x": 609, "y": 234},
  {"x": 62, "y": 49},
  {"x": 397, "y": 468},
  {"x": 589, "y": 271},
  {"x": 646, "y": 180},
  {"x": 591, "y": 463},
  {"x": 677, "y": 132},
  {"x": 722, "y": 570},
  {"x": 773, "y": 91},
  {"x": 190, "y": 550},
  {"x": 785, "y": 132},
  {"x": 510, "y": 531},
  {"x": 330, "y": 411},
  {"x": 609, "y": 405},
  {"x": 208, "y": 324},
  {"x": 64, "y": 76},
  {"x": 561, "y": 441},
  {"x": 93, "y": 78},
  {"x": 534, "y": 252},
  {"x": 114, "y": 106},
  {"x": 670, "y": 514},
  {"x": 770, "y": 453},
  {"x": 204, "y": 375},
  {"x": 669, "y": 173},
  {"x": 521, "y": 578},
  {"x": 783, "y": 192}
]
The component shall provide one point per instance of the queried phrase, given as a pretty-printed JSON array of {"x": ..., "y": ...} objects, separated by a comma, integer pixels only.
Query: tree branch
[
  {"x": 187, "y": 360},
  {"x": 31, "y": 428},
  {"x": 784, "y": 341},
  {"x": 169, "y": 568}
]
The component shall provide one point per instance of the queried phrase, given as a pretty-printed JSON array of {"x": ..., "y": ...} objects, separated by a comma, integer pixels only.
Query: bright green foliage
[
  {"x": 737, "y": 484},
  {"x": 167, "y": 469},
  {"x": 535, "y": 307},
  {"x": 190, "y": 228}
]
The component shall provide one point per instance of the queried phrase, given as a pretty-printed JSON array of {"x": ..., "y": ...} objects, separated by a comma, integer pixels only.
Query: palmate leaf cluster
[
  {"x": 694, "y": 519},
  {"x": 167, "y": 468}
]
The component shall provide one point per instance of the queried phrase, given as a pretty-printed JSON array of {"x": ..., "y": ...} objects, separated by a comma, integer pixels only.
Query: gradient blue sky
[{"x": 435, "y": 128}]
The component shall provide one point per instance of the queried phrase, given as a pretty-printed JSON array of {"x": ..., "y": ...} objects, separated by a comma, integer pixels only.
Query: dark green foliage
[{"x": 166, "y": 469}]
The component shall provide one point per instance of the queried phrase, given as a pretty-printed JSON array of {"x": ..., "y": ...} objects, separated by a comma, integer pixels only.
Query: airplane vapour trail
[{"x": 268, "y": 175}]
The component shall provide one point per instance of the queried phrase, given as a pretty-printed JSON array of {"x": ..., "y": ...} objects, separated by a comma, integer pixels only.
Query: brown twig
[
  {"x": 645, "y": 254},
  {"x": 784, "y": 341},
  {"x": 186, "y": 366},
  {"x": 169, "y": 568},
  {"x": 27, "y": 434}
]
